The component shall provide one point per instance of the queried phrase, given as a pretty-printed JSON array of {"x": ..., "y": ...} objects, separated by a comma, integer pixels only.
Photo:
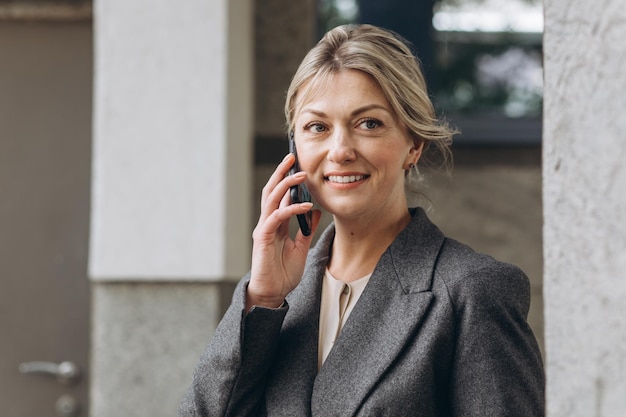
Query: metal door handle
[{"x": 66, "y": 373}]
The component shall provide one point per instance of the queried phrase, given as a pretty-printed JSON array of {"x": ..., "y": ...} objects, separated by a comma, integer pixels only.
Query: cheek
[
  {"x": 389, "y": 159},
  {"x": 309, "y": 158}
]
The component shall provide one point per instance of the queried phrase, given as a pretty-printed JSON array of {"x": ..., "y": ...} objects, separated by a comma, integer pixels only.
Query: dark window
[{"x": 482, "y": 59}]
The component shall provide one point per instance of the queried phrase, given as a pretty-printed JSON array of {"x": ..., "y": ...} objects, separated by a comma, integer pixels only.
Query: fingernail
[
  {"x": 299, "y": 174},
  {"x": 286, "y": 157}
]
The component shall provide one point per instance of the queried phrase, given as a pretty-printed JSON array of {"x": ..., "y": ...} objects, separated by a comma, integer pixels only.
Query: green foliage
[{"x": 492, "y": 78}]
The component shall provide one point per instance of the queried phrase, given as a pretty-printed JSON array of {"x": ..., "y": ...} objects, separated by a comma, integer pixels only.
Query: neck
[{"x": 359, "y": 243}]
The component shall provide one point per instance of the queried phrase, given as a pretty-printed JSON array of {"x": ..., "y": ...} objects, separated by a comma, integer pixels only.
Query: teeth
[{"x": 345, "y": 179}]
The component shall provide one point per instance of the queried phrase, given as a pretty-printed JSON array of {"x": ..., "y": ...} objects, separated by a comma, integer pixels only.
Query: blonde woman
[{"x": 385, "y": 316}]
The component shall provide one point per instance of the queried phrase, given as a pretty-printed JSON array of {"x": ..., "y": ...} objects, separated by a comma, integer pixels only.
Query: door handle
[{"x": 67, "y": 373}]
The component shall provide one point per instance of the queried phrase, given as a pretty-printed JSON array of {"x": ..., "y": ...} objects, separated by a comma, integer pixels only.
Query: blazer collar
[
  {"x": 414, "y": 253},
  {"x": 383, "y": 320}
]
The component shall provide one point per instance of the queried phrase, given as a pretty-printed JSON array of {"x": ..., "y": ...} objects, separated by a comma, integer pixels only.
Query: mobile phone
[{"x": 299, "y": 193}]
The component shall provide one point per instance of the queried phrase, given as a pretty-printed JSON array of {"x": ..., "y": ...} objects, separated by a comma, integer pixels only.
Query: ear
[{"x": 414, "y": 153}]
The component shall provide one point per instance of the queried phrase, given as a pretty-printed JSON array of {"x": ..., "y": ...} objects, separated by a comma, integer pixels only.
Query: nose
[{"x": 341, "y": 147}]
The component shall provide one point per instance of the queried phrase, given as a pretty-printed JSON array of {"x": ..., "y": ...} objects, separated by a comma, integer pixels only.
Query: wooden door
[{"x": 45, "y": 142}]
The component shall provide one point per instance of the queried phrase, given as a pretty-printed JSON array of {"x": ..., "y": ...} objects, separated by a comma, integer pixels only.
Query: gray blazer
[{"x": 440, "y": 330}]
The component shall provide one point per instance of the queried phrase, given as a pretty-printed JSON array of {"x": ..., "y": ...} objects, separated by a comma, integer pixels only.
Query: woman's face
[{"x": 353, "y": 147}]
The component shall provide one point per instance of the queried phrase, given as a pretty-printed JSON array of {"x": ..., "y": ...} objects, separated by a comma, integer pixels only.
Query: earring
[{"x": 413, "y": 171}]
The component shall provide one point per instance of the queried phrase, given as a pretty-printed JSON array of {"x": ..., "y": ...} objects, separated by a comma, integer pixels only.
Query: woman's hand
[{"x": 277, "y": 260}]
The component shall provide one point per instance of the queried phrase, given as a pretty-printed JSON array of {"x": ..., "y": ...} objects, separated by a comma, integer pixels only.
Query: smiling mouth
[{"x": 345, "y": 179}]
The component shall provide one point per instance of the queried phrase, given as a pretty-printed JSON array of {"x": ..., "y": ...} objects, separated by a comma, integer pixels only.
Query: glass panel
[{"x": 488, "y": 57}]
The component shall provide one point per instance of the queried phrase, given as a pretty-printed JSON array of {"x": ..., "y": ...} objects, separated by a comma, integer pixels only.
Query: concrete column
[
  {"x": 170, "y": 217},
  {"x": 585, "y": 207}
]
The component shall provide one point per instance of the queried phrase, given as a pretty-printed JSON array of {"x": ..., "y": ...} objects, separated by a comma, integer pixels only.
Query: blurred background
[{"x": 119, "y": 125}]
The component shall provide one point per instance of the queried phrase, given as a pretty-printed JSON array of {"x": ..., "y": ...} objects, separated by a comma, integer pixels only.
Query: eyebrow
[{"x": 355, "y": 112}]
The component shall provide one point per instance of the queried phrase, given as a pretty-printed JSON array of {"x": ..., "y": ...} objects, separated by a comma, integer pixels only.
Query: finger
[
  {"x": 273, "y": 223},
  {"x": 277, "y": 176},
  {"x": 286, "y": 200},
  {"x": 274, "y": 198},
  {"x": 297, "y": 209},
  {"x": 276, "y": 201}
]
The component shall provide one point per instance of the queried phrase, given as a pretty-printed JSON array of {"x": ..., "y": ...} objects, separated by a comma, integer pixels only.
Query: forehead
[{"x": 347, "y": 86}]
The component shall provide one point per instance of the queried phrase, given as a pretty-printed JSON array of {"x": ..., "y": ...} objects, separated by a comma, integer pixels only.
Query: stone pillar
[
  {"x": 170, "y": 217},
  {"x": 585, "y": 207}
]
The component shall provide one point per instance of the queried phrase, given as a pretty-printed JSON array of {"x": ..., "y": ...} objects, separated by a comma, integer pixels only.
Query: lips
[{"x": 345, "y": 179}]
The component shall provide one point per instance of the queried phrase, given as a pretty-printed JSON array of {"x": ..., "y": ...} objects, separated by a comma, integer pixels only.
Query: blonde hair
[{"x": 387, "y": 58}]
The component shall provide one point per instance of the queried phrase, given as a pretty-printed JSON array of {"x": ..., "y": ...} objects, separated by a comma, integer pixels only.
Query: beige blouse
[{"x": 338, "y": 300}]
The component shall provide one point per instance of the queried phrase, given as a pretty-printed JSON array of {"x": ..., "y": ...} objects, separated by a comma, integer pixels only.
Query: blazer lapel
[{"x": 384, "y": 319}]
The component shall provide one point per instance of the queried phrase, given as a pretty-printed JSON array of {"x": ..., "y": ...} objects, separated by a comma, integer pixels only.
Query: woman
[{"x": 385, "y": 316}]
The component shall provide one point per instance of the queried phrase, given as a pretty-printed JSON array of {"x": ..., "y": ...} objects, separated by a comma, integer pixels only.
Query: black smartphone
[{"x": 299, "y": 193}]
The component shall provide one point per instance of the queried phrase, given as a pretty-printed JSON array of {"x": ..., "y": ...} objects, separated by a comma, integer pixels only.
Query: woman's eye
[
  {"x": 316, "y": 128},
  {"x": 370, "y": 124}
]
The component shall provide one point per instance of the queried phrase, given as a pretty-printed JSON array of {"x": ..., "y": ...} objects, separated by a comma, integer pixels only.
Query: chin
[{"x": 346, "y": 209}]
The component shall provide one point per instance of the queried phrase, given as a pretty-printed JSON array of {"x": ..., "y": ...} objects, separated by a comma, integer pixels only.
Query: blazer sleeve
[
  {"x": 497, "y": 368},
  {"x": 229, "y": 379}
]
